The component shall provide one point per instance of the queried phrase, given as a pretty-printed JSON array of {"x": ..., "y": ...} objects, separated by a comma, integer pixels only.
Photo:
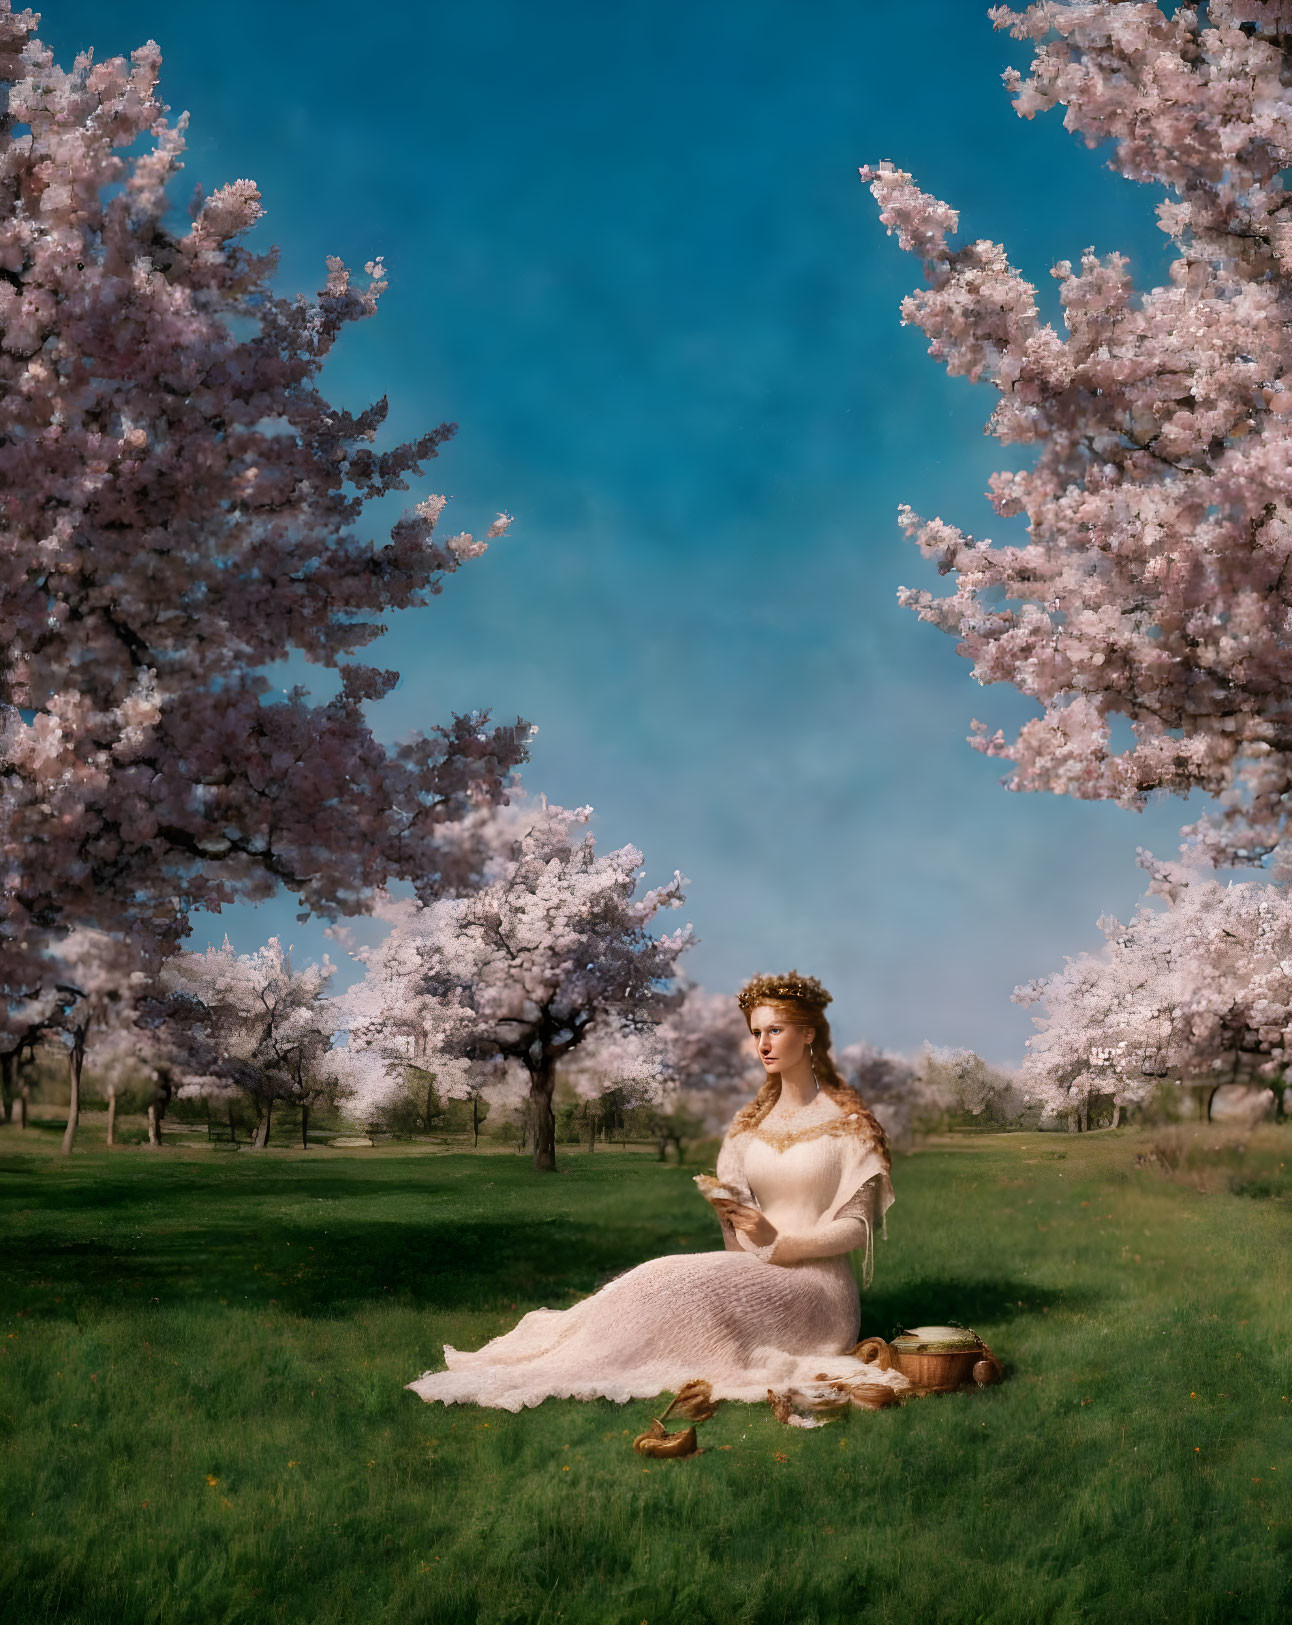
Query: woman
[{"x": 803, "y": 1178}]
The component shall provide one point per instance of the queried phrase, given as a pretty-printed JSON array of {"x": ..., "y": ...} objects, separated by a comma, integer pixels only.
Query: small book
[{"x": 714, "y": 1190}]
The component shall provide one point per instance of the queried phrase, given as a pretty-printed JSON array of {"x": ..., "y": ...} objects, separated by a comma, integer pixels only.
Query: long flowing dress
[{"x": 746, "y": 1319}]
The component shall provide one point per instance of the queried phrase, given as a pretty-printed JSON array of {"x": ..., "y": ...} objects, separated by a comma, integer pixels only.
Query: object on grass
[
  {"x": 873, "y": 1396},
  {"x": 938, "y": 1359},
  {"x": 693, "y": 1400},
  {"x": 782, "y": 1410},
  {"x": 658, "y": 1441},
  {"x": 874, "y": 1351},
  {"x": 826, "y": 1394},
  {"x": 805, "y": 1405}
]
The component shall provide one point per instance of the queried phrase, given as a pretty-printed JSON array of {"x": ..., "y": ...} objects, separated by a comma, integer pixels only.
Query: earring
[{"x": 812, "y": 1064}]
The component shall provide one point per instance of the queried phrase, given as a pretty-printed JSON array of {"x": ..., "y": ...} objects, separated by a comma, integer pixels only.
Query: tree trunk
[
  {"x": 1211, "y": 1096},
  {"x": 24, "y": 1095},
  {"x": 1083, "y": 1115},
  {"x": 75, "y": 1056},
  {"x": 260, "y": 1139},
  {"x": 475, "y": 1120},
  {"x": 305, "y": 1128},
  {"x": 112, "y": 1114},
  {"x": 9, "y": 1081},
  {"x": 1117, "y": 1113},
  {"x": 162, "y": 1091},
  {"x": 542, "y": 1118}
]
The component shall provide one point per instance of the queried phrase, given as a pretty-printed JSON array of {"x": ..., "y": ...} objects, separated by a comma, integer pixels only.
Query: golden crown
[{"x": 793, "y": 986}]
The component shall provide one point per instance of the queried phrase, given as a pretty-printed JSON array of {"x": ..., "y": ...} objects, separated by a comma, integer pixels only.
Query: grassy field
[{"x": 204, "y": 1417}]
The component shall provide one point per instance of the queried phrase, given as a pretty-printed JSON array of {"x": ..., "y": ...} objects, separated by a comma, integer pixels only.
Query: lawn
[{"x": 204, "y": 1414}]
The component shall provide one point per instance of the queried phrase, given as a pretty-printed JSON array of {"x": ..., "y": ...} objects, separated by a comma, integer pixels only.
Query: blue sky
[{"x": 631, "y": 257}]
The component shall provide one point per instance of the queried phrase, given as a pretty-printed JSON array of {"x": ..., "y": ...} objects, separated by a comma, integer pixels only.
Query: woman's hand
[{"x": 748, "y": 1221}]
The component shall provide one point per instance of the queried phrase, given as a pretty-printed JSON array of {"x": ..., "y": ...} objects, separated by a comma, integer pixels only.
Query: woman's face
[{"x": 779, "y": 1043}]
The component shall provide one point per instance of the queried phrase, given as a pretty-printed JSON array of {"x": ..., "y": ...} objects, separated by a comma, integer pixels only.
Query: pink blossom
[
  {"x": 180, "y": 506},
  {"x": 1154, "y": 582},
  {"x": 1198, "y": 992},
  {"x": 249, "y": 1024},
  {"x": 553, "y": 951}
]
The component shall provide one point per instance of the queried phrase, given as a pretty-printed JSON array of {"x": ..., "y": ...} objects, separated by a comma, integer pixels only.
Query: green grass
[{"x": 204, "y": 1419}]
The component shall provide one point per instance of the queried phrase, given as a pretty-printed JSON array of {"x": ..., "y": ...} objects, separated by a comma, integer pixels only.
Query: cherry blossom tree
[
  {"x": 915, "y": 1095},
  {"x": 1154, "y": 583},
  {"x": 553, "y": 948},
  {"x": 709, "y": 1065},
  {"x": 150, "y": 1041},
  {"x": 620, "y": 1072},
  {"x": 891, "y": 1085},
  {"x": 93, "y": 981},
  {"x": 26, "y": 1018},
  {"x": 179, "y": 507},
  {"x": 403, "y": 1037},
  {"x": 83, "y": 979},
  {"x": 1196, "y": 993},
  {"x": 117, "y": 1060},
  {"x": 965, "y": 1084},
  {"x": 383, "y": 1083},
  {"x": 253, "y": 1025},
  {"x": 104, "y": 1020}
]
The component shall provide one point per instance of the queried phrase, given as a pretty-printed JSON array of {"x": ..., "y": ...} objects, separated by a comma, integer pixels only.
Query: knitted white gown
[{"x": 746, "y": 1319}]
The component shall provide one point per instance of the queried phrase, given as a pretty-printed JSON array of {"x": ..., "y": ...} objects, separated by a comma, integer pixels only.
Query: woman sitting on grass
[{"x": 803, "y": 1178}]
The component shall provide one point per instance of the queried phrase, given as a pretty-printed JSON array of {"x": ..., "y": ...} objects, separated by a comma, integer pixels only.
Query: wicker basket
[{"x": 935, "y": 1359}]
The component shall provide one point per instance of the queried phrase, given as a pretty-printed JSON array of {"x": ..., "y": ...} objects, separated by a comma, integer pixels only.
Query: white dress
[{"x": 745, "y": 1319}]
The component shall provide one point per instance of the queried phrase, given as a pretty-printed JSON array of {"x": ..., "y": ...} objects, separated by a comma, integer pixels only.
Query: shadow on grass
[
  {"x": 99, "y": 1180},
  {"x": 435, "y": 1268},
  {"x": 104, "y": 1233},
  {"x": 105, "y": 1180},
  {"x": 450, "y": 1266},
  {"x": 942, "y": 1300},
  {"x": 129, "y": 1233}
]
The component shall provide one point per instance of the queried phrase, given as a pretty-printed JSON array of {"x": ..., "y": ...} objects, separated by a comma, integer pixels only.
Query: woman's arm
[
  {"x": 747, "y": 1225},
  {"x": 849, "y": 1224},
  {"x": 730, "y": 1190},
  {"x": 824, "y": 1240}
]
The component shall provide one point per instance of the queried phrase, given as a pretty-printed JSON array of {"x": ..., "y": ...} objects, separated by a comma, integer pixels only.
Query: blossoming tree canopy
[
  {"x": 178, "y": 508},
  {"x": 92, "y": 982},
  {"x": 553, "y": 948},
  {"x": 1199, "y": 992},
  {"x": 397, "y": 1018},
  {"x": 711, "y": 1064},
  {"x": 916, "y": 1094},
  {"x": 896, "y": 1090},
  {"x": 251, "y": 1024},
  {"x": 1154, "y": 582}
]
